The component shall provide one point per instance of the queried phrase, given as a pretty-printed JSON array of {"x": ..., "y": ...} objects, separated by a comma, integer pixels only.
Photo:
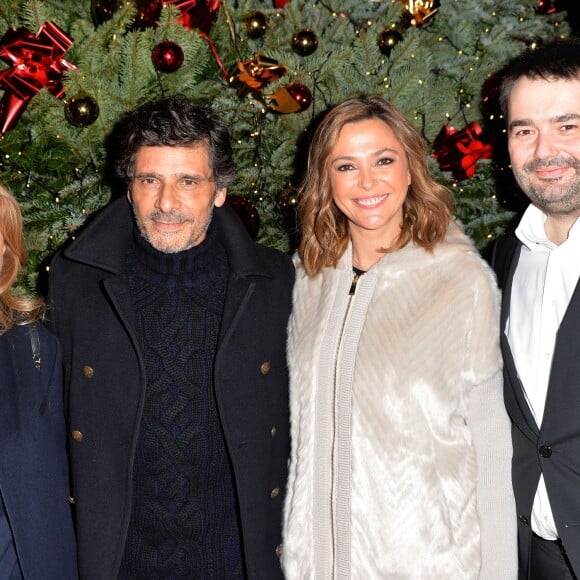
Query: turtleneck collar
[{"x": 176, "y": 263}]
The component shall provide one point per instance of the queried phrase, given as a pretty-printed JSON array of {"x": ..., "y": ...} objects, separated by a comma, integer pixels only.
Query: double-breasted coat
[
  {"x": 33, "y": 463},
  {"x": 92, "y": 313},
  {"x": 553, "y": 448}
]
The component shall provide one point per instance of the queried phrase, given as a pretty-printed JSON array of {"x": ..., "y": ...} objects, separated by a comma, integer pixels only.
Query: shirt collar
[{"x": 531, "y": 233}]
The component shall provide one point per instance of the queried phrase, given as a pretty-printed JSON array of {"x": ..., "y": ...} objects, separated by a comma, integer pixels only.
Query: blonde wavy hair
[
  {"x": 15, "y": 308},
  {"x": 324, "y": 229}
]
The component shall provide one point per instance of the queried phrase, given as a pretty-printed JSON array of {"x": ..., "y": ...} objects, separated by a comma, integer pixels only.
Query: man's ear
[
  {"x": 129, "y": 195},
  {"x": 220, "y": 197}
]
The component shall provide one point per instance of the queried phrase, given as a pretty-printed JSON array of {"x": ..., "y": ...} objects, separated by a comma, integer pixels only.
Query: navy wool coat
[
  {"x": 92, "y": 313},
  {"x": 33, "y": 463}
]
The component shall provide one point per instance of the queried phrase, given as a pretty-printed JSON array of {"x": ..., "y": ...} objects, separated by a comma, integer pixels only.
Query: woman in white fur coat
[{"x": 400, "y": 462}]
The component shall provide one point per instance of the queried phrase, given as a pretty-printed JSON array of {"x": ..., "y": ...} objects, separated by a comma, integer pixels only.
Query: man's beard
[
  {"x": 172, "y": 244},
  {"x": 552, "y": 196}
]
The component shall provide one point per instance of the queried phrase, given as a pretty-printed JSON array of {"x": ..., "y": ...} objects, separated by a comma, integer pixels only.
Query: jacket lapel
[
  {"x": 238, "y": 292},
  {"x": 562, "y": 388},
  {"x": 515, "y": 399}
]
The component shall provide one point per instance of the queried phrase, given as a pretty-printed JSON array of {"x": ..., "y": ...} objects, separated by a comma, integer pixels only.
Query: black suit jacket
[{"x": 554, "y": 448}]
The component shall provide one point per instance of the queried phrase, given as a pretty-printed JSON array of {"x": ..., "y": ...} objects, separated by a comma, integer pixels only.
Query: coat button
[
  {"x": 275, "y": 493},
  {"x": 545, "y": 451},
  {"x": 265, "y": 367},
  {"x": 77, "y": 436},
  {"x": 88, "y": 371},
  {"x": 524, "y": 520},
  {"x": 71, "y": 500},
  {"x": 273, "y": 432},
  {"x": 279, "y": 550}
]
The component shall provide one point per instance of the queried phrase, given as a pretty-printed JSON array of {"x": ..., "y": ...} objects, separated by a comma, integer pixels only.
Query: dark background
[{"x": 572, "y": 7}]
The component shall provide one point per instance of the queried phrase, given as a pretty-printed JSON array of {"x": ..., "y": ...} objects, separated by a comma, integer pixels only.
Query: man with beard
[
  {"x": 538, "y": 268},
  {"x": 173, "y": 326}
]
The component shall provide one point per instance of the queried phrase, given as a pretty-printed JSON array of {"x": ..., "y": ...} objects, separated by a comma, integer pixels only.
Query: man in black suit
[{"x": 538, "y": 267}]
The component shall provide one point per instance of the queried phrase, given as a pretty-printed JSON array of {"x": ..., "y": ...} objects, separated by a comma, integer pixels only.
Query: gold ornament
[
  {"x": 388, "y": 39},
  {"x": 419, "y": 10},
  {"x": 254, "y": 74}
]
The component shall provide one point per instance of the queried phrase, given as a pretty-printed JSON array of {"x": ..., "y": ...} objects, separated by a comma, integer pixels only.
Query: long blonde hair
[
  {"x": 15, "y": 308},
  {"x": 324, "y": 229}
]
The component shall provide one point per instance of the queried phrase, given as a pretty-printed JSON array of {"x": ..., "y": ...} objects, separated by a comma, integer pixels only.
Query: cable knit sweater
[{"x": 400, "y": 466}]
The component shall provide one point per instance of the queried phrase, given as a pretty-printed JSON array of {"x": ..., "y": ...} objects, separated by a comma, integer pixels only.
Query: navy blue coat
[
  {"x": 33, "y": 463},
  {"x": 92, "y": 313}
]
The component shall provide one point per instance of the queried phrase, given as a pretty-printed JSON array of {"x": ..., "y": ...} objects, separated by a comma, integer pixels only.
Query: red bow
[
  {"x": 459, "y": 151},
  {"x": 36, "y": 62},
  {"x": 200, "y": 14}
]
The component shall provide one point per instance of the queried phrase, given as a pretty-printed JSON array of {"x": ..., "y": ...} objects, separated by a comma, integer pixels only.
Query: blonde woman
[
  {"x": 36, "y": 532},
  {"x": 400, "y": 461}
]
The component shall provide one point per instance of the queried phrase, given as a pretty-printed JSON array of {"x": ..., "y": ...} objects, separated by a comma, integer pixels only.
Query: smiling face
[
  {"x": 173, "y": 195},
  {"x": 369, "y": 178},
  {"x": 544, "y": 143}
]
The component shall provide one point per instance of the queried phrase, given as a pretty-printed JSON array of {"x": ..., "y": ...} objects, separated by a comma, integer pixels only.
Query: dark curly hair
[{"x": 176, "y": 122}]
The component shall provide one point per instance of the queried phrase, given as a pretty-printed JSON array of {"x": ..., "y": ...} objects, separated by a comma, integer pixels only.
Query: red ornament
[
  {"x": 36, "y": 62},
  {"x": 147, "y": 15},
  {"x": 247, "y": 213},
  {"x": 459, "y": 151},
  {"x": 200, "y": 14},
  {"x": 280, "y": 3},
  {"x": 545, "y": 7},
  {"x": 287, "y": 202},
  {"x": 490, "y": 89},
  {"x": 167, "y": 56},
  {"x": 292, "y": 98}
]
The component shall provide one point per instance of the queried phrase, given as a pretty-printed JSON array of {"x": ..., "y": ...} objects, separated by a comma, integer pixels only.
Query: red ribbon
[
  {"x": 459, "y": 151},
  {"x": 200, "y": 14},
  {"x": 36, "y": 62}
]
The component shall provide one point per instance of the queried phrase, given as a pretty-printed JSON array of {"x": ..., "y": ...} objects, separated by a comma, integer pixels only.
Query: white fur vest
[{"x": 383, "y": 469}]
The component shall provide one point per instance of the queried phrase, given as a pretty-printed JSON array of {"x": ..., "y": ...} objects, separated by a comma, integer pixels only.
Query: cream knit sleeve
[{"x": 490, "y": 428}]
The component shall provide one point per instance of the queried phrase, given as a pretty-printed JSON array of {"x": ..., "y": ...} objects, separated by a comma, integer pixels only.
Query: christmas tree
[{"x": 71, "y": 69}]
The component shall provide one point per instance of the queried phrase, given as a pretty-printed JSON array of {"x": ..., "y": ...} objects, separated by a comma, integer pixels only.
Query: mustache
[
  {"x": 559, "y": 161},
  {"x": 172, "y": 217}
]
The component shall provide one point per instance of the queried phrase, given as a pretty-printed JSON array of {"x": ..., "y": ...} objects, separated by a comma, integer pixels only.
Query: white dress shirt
[{"x": 544, "y": 281}]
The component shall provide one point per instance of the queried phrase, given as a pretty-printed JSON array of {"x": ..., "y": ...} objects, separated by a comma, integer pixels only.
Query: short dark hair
[
  {"x": 559, "y": 59},
  {"x": 177, "y": 122}
]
